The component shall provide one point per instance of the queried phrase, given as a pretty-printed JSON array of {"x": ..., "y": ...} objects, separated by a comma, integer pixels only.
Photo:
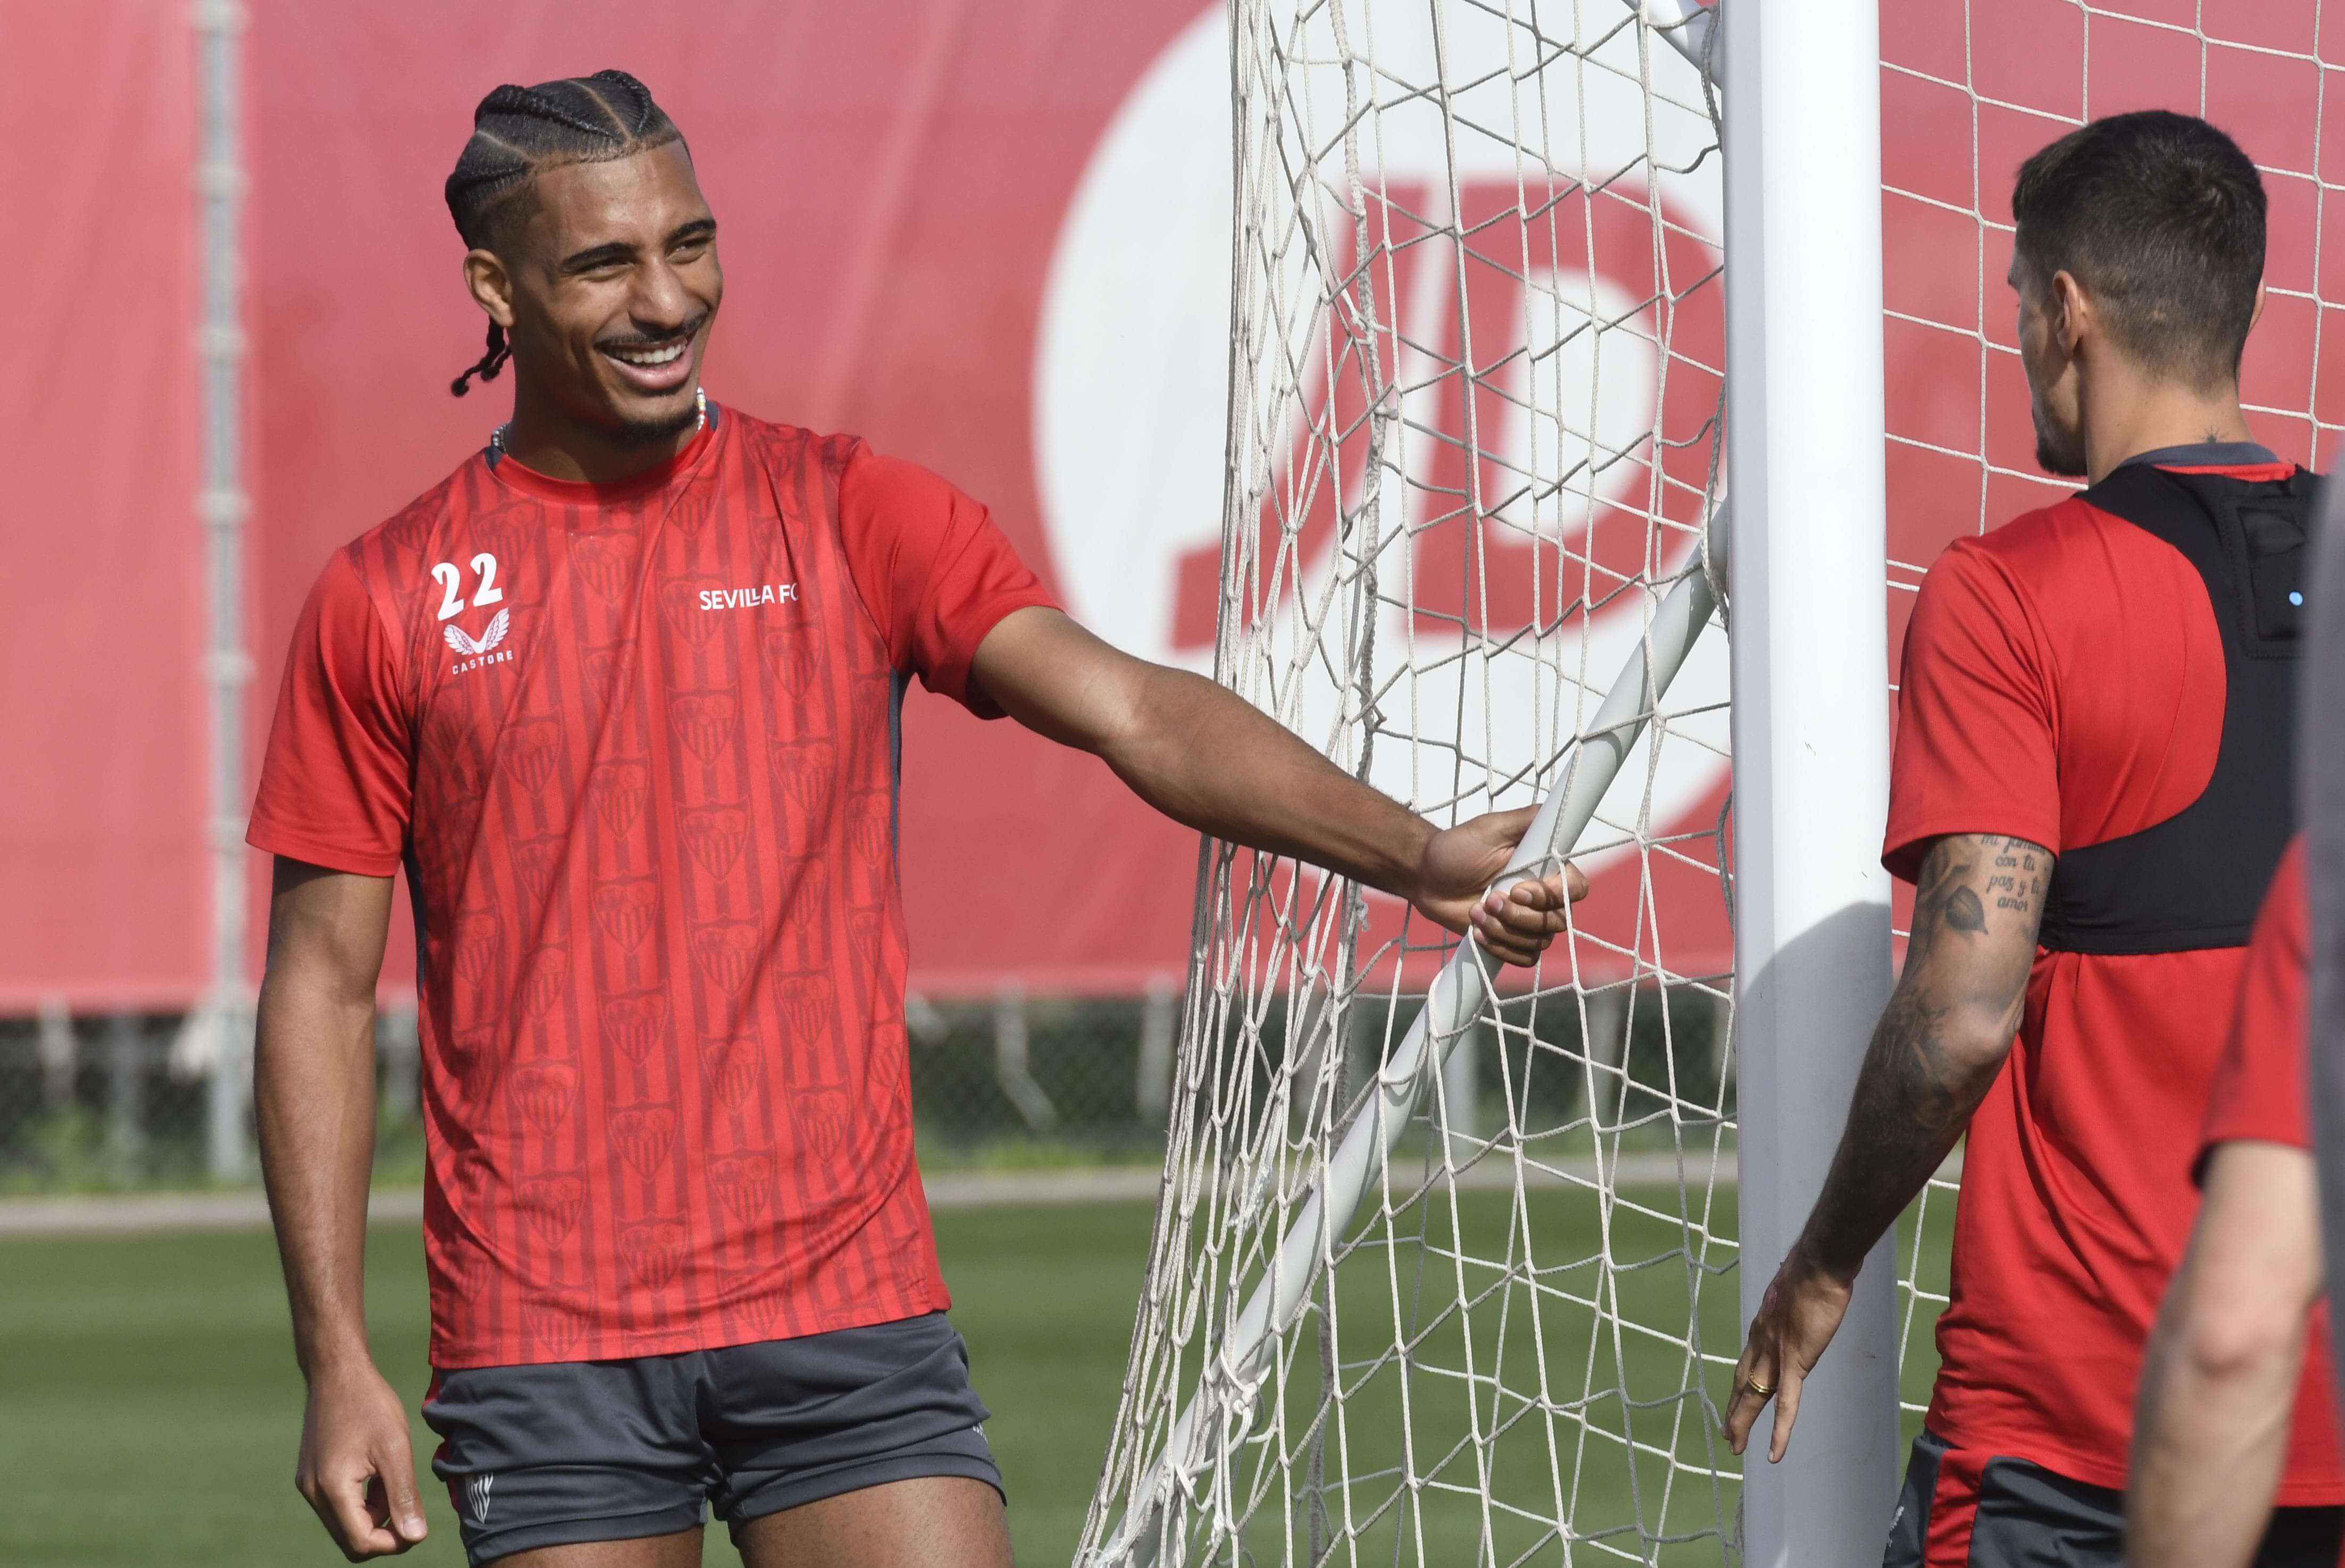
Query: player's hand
[
  {"x": 1459, "y": 863},
  {"x": 1797, "y": 1319},
  {"x": 357, "y": 1468}
]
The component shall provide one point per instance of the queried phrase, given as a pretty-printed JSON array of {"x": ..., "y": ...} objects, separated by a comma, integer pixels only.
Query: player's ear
[
  {"x": 2070, "y": 310},
  {"x": 2257, "y": 313},
  {"x": 490, "y": 286}
]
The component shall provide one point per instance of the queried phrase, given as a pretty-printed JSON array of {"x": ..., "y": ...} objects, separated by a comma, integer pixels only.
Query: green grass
[{"x": 149, "y": 1408}]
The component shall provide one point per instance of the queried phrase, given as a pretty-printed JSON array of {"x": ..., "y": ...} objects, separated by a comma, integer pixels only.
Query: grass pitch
[{"x": 150, "y": 1407}]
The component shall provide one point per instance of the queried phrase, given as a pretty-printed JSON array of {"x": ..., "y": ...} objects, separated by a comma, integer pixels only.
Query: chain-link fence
[
  {"x": 95, "y": 1103},
  {"x": 90, "y": 1103}
]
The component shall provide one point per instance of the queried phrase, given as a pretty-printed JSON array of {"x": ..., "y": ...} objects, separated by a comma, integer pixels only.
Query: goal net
[
  {"x": 1445, "y": 1269},
  {"x": 1444, "y": 1260}
]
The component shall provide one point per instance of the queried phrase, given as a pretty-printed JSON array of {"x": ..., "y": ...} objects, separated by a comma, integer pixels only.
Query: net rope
[
  {"x": 1456, "y": 223},
  {"x": 1475, "y": 426}
]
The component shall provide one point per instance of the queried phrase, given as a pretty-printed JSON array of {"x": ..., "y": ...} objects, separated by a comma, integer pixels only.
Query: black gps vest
[{"x": 2197, "y": 879}]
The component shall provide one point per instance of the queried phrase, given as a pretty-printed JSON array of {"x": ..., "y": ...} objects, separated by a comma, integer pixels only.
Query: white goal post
[
  {"x": 1484, "y": 358},
  {"x": 1806, "y": 402}
]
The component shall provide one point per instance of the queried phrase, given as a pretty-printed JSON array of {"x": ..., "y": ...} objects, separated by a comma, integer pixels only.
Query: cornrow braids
[
  {"x": 518, "y": 132},
  {"x": 488, "y": 365}
]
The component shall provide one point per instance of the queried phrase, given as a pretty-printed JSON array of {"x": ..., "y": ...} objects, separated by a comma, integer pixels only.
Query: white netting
[
  {"x": 1474, "y": 434},
  {"x": 1474, "y": 440},
  {"x": 1968, "y": 94}
]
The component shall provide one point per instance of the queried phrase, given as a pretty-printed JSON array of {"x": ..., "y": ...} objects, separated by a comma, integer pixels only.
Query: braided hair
[{"x": 520, "y": 131}]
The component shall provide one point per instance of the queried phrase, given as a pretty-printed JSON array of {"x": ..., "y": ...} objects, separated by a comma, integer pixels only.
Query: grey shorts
[
  {"x": 1962, "y": 1508},
  {"x": 571, "y": 1451}
]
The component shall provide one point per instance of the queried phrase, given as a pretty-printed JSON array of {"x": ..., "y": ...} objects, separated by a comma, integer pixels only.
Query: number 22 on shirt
[{"x": 452, "y": 603}]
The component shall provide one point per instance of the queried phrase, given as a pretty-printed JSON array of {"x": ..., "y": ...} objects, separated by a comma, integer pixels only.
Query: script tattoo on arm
[{"x": 1940, "y": 1042}]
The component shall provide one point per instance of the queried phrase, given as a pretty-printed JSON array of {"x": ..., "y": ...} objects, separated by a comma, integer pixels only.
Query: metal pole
[
  {"x": 1159, "y": 1021},
  {"x": 1802, "y": 125},
  {"x": 1606, "y": 1048},
  {"x": 399, "y": 1046},
  {"x": 1461, "y": 1095},
  {"x": 222, "y": 506},
  {"x": 126, "y": 1094},
  {"x": 1011, "y": 1040},
  {"x": 58, "y": 1053}
]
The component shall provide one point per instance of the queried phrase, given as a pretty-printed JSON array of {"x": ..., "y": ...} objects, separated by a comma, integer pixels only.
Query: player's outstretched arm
[
  {"x": 2211, "y": 1417},
  {"x": 1943, "y": 1037},
  {"x": 314, "y": 1101},
  {"x": 1202, "y": 756}
]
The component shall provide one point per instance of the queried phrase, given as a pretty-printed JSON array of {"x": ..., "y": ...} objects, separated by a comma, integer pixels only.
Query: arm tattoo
[{"x": 1940, "y": 1042}]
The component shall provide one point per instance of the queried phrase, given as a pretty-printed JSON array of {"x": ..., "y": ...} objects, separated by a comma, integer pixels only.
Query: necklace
[{"x": 699, "y": 405}]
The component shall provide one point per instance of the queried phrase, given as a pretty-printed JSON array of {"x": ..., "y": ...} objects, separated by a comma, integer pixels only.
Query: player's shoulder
[
  {"x": 864, "y": 480},
  {"x": 2042, "y": 537},
  {"x": 387, "y": 563},
  {"x": 2067, "y": 552},
  {"x": 420, "y": 529},
  {"x": 778, "y": 444}
]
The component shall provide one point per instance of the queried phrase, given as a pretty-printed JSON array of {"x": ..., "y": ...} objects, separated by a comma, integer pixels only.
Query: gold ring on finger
[{"x": 1764, "y": 1390}]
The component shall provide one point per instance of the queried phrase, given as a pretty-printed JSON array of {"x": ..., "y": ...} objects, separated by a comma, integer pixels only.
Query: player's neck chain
[{"x": 699, "y": 404}]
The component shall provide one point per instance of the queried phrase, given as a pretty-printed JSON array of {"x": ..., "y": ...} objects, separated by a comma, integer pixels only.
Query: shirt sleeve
[
  {"x": 334, "y": 782},
  {"x": 1977, "y": 748},
  {"x": 932, "y": 567},
  {"x": 2260, "y": 1091}
]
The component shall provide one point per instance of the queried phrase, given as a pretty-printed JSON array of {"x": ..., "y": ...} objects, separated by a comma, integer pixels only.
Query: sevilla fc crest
[
  {"x": 652, "y": 1253},
  {"x": 545, "y": 1091},
  {"x": 643, "y": 1135},
  {"x": 744, "y": 1183},
  {"x": 551, "y": 1205}
]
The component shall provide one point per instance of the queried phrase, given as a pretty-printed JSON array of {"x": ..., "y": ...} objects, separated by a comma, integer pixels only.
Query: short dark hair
[
  {"x": 2161, "y": 217},
  {"x": 519, "y": 132}
]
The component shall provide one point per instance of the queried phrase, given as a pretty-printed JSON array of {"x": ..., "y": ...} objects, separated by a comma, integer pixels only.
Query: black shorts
[
  {"x": 1962, "y": 1508},
  {"x": 569, "y": 1452}
]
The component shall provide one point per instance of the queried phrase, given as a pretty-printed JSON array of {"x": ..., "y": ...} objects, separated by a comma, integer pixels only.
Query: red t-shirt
[
  {"x": 2259, "y": 1093},
  {"x": 634, "y": 745},
  {"x": 2064, "y": 682}
]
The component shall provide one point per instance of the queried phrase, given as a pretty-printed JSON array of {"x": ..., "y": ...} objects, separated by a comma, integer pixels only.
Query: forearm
[
  {"x": 2219, "y": 1383},
  {"x": 1940, "y": 1043},
  {"x": 1934, "y": 1053},
  {"x": 314, "y": 1105},
  {"x": 1202, "y": 757},
  {"x": 1207, "y": 759},
  {"x": 1914, "y": 1096},
  {"x": 2209, "y": 1442}
]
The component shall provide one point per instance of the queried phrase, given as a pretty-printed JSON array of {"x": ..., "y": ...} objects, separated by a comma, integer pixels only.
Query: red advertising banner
[
  {"x": 992, "y": 239},
  {"x": 891, "y": 181},
  {"x": 104, "y": 884}
]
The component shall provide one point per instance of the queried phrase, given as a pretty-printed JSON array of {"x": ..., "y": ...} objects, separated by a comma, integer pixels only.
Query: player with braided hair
[
  {"x": 520, "y": 131},
  {"x": 621, "y": 695}
]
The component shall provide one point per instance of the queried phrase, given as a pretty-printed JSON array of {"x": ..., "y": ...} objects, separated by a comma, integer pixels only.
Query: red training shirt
[
  {"x": 634, "y": 745},
  {"x": 2259, "y": 1093},
  {"x": 2064, "y": 684}
]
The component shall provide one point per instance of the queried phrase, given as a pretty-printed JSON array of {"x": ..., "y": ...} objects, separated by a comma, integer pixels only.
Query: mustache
[{"x": 655, "y": 339}]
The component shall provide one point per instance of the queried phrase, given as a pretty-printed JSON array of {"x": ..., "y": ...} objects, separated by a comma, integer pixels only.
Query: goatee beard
[{"x": 651, "y": 432}]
